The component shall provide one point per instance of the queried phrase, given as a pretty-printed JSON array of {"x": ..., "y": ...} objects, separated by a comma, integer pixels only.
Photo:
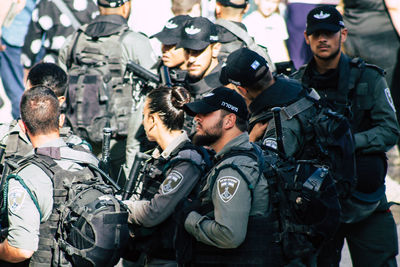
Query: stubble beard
[{"x": 210, "y": 136}]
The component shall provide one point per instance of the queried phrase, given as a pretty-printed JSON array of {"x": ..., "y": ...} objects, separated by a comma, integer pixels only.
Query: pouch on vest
[{"x": 304, "y": 199}]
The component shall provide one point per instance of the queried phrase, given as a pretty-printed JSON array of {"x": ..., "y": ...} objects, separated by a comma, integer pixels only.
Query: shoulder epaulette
[{"x": 377, "y": 68}]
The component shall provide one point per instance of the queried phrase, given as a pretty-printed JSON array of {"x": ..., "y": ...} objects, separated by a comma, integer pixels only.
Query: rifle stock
[{"x": 135, "y": 175}]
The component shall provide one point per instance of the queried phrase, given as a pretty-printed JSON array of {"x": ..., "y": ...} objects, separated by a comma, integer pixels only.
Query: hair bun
[{"x": 179, "y": 97}]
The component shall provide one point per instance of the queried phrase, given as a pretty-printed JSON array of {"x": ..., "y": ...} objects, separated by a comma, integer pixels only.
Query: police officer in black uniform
[
  {"x": 173, "y": 58},
  {"x": 360, "y": 91},
  {"x": 249, "y": 73}
]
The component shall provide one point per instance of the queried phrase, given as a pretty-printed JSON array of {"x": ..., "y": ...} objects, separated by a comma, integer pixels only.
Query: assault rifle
[
  {"x": 135, "y": 176},
  {"x": 144, "y": 80}
]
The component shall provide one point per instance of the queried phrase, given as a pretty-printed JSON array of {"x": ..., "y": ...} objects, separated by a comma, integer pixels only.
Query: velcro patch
[
  {"x": 16, "y": 199},
  {"x": 389, "y": 99},
  {"x": 227, "y": 187},
  {"x": 172, "y": 181},
  {"x": 270, "y": 142}
]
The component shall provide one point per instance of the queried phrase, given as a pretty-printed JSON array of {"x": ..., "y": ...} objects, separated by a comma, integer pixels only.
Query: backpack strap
[
  {"x": 72, "y": 52},
  {"x": 22, "y": 182},
  {"x": 233, "y": 153},
  {"x": 188, "y": 146},
  {"x": 294, "y": 109},
  {"x": 65, "y": 10}
]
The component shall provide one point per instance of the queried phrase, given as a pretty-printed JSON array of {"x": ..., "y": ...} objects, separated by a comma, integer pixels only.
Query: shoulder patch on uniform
[
  {"x": 172, "y": 181},
  {"x": 16, "y": 199},
  {"x": 389, "y": 98},
  {"x": 227, "y": 187},
  {"x": 270, "y": 142}
]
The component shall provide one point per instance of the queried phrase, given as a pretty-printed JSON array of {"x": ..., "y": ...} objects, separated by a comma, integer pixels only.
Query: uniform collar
[
  {"x": 105, "y": 25},
  {"x": 205, "y": 85},
  {"x": 172, "y": 147},
  {"x": 239, "y": 142},
  {"x": 182, "y": 138}
]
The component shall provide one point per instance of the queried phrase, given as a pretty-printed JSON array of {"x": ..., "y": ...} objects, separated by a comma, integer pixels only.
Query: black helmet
[{"x": 95, "y": 229}]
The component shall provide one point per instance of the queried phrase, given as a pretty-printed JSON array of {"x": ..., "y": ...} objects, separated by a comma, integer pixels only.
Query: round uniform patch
[
  {"x": 227, "y": 187},
  {"x": 172, "y": 181},
  {"x": 16, "y": 199}
]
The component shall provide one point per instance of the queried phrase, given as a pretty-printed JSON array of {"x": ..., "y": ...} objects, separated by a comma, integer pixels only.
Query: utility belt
[{"x": 258, "y": 249}]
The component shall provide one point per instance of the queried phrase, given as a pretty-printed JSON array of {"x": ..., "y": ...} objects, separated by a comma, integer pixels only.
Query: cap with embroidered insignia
[
  {"x": 171, "y": 33},
  {"x": 324, "y": 18},
  {"x": 111, "y": 3},
  {"x": 219, "y": 98},
  {"x": 198, "y": 33},
  {"x": 243, "y": 67}
]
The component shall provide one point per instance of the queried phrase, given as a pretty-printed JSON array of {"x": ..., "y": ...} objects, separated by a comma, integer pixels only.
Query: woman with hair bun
[{"x": 170, "y": 175}]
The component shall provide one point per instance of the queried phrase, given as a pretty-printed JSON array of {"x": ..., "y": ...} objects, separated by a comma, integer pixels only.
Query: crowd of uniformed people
[{"x": 197, "y": 197}]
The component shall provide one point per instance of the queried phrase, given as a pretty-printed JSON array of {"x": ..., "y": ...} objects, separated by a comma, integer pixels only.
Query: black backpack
[
  {"x": 98, "y": 95},
  {"x": 88, "y": 225},
  {"x": 328, "y": 140},
  {"x": 304, "y": 199},
  {"x": 305, "y": 210}
]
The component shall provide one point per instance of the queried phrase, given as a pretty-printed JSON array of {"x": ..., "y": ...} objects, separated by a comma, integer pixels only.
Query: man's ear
[
  {"x": 217, "y": 10},
  {"x": 229, "y": 121},
  {"x": 215, "y": 49},
  {"x": 22, "y": 126},
  {"x": 243, "y": 91},
  {"x": 61, "y": 120},
  {"x": 306, "y": 38},
  {"x": 343, "y": 32},
  {"x": 61, "y": 100},
  {"x": 246, "y": 9}
]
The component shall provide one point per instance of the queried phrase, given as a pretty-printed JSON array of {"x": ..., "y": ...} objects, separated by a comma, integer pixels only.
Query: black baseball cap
[
  {"x": 219, "y": 98},
  {"x": 111, "y": 3},
  {"x": 324, "y": 18},
  {"x": 229, "y": 3},
  {"x": 171, "y": 33},
  {"x": 198, "y": 33},
  {"x": 243, "y": 67}
]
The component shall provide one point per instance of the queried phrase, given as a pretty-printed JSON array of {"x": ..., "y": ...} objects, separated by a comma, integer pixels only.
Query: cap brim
[
  {"x": 193, "y": 44},
  {"x": 322, "y": 26},
  {"x": 198, "y": 107},
  {"x": 165, "y": 38}
]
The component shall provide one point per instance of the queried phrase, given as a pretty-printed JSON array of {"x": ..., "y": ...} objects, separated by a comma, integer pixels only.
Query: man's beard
[
  {"x": 334, "y": 54},
  {"x": 210, "y": 136},
  {"x": 331, "y": 56}
]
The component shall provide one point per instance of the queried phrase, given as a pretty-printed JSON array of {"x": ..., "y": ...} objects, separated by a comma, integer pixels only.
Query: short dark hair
[
  {"x": 50, "y": 75},
  {"x": 261, "y": 84},
  {"x": 40, "y": 110},
  {"x": 168, "y": 103},
  {"x": 242, "y": 124}
]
